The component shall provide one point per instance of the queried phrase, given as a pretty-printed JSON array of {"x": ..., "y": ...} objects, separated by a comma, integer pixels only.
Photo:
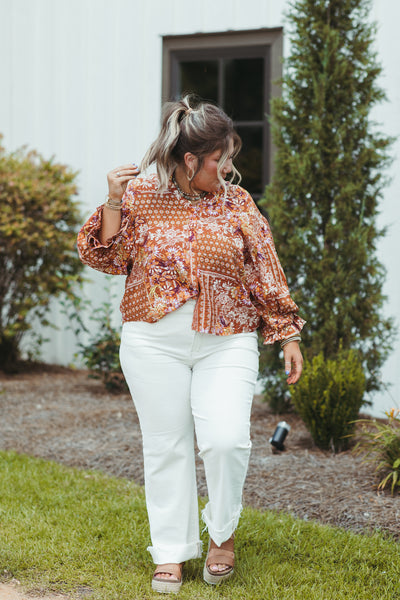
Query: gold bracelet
[
  {"x": 293, "y": 338},
  {"x": 113, "y": 207},
  {"x": 113, "y": 204}
]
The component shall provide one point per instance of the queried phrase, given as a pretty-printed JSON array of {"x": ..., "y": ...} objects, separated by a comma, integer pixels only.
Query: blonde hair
[{"x": 198, "y": 127}]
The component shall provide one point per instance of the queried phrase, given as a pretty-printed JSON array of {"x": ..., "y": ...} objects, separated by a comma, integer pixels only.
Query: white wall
[
  {"x": 386, "y": 13},
  {"x": 81, "y": 80}
]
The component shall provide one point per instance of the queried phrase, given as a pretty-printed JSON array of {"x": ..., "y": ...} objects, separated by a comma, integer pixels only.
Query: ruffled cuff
[
  {"x": 93, "y": 231},
  {"x": 279, "y": 327},
  {"x": 112, "y": 256}
]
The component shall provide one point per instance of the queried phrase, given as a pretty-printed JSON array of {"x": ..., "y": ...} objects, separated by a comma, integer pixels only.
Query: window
[{"x": 237, "y": 70}]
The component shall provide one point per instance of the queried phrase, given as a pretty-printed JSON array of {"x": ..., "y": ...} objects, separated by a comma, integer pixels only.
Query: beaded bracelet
[
  {"x": 293, "y": 338},
  {"x": 113, "y": 204}
]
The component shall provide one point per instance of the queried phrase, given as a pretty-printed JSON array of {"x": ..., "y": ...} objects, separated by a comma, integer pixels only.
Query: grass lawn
[{"x": 67, "y": 530}]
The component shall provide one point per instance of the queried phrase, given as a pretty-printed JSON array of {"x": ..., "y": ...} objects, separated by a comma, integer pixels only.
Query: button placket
[{"x": 192, "y": 244}]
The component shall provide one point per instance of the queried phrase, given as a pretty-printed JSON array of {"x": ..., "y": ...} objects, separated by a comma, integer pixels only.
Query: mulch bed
[{"x": 61, "y": 414}]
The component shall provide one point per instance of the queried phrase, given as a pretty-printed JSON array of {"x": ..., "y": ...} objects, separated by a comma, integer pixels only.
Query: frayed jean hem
[{"x": 220, "y": 535}]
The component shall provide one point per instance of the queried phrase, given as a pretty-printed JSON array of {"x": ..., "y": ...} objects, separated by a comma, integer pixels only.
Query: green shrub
[
  {"x": 101, "y": 353},
  {"x": 381, "y": 444},
  {"x": 38, "y": 258},
  {"x": 328, "y": 398}
]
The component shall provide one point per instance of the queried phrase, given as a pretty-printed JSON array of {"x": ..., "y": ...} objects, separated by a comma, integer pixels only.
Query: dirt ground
[
  {"x": 13, "y": 591},
  {"x": 62, "y": 415}
]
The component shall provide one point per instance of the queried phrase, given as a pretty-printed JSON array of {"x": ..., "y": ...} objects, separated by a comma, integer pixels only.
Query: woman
[{"x": 202, "y": 277}]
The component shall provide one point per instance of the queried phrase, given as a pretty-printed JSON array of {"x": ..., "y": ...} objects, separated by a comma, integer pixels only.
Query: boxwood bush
[{"x": 328, "y": 398}]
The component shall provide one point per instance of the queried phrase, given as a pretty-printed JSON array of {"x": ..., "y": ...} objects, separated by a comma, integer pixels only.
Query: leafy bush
[
  {"x": 328, "y": 398},
  {"x": 101, "y": 354},
  {"x": 38, "y": 259},
  {"x": 381, "y": 444}
]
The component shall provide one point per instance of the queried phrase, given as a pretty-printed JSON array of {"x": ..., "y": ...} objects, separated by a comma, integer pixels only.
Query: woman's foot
[
  {"x": 167, "y": 578},
  {"x": 220, "y": 561}
]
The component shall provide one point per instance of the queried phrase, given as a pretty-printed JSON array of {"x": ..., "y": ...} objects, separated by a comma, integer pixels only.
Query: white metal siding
[{"x": 81, "y": 80}]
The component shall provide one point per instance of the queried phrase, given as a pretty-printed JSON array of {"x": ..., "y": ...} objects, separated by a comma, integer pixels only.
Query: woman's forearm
[{"x": 110, "y": 223}]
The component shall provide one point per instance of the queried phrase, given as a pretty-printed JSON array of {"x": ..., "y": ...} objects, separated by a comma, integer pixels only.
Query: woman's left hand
[{"x": 293, "y": 362}]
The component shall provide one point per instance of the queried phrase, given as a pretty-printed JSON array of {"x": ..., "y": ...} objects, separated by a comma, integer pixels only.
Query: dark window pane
[
  {"x": 200, "y": 77},
  {"x": 249, "y": 162},
  {"x": 244, "y": 88}
]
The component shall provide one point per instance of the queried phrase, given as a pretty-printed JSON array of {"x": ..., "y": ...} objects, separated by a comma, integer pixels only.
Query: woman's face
[{"x": 206, "y": 180}]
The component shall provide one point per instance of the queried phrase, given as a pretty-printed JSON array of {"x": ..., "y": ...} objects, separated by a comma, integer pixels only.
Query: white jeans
[{"x": 181, "y": 381}]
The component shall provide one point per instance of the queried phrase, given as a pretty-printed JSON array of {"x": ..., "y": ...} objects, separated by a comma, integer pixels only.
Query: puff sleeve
[
  {"x": 117, "y": 254},
  {"x": 265, "y": 279}
]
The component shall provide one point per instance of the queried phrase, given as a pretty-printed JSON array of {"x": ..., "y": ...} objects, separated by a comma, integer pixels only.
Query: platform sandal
[
  {"x": 218, "y": 556},
  {"x": 167, "y": 586}
]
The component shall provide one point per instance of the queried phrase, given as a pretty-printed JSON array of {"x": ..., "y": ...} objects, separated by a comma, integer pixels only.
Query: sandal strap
[
  {"x": 171, "y": 569},
  {"x": 218, "y": 556}
]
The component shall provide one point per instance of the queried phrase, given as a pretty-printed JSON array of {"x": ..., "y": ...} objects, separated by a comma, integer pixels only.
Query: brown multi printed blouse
[{"x": 219, "y": 250}]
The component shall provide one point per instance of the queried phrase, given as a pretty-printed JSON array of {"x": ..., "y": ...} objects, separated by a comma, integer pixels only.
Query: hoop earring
[{"x": 190, "y": 174}]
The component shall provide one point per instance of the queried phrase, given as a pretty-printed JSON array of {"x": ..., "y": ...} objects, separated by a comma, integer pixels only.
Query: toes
[
  {"x": 217, "y": 568},
  {"x": 166, "y": 576}
]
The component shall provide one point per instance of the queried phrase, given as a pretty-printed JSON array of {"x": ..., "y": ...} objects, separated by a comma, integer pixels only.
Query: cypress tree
[{"x": 323, "y": 199}]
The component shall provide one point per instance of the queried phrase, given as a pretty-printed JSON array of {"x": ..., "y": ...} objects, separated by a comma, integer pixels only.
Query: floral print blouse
[{"x": 218, "y": 250}]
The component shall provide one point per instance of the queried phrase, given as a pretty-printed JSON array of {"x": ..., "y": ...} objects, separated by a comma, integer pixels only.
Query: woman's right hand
[
  {"x": 293, "y": 362},
  {"x": 118, "y": 180}
]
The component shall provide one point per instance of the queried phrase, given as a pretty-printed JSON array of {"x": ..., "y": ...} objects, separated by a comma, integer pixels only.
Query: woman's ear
[{"x": 190, "y": 161}]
